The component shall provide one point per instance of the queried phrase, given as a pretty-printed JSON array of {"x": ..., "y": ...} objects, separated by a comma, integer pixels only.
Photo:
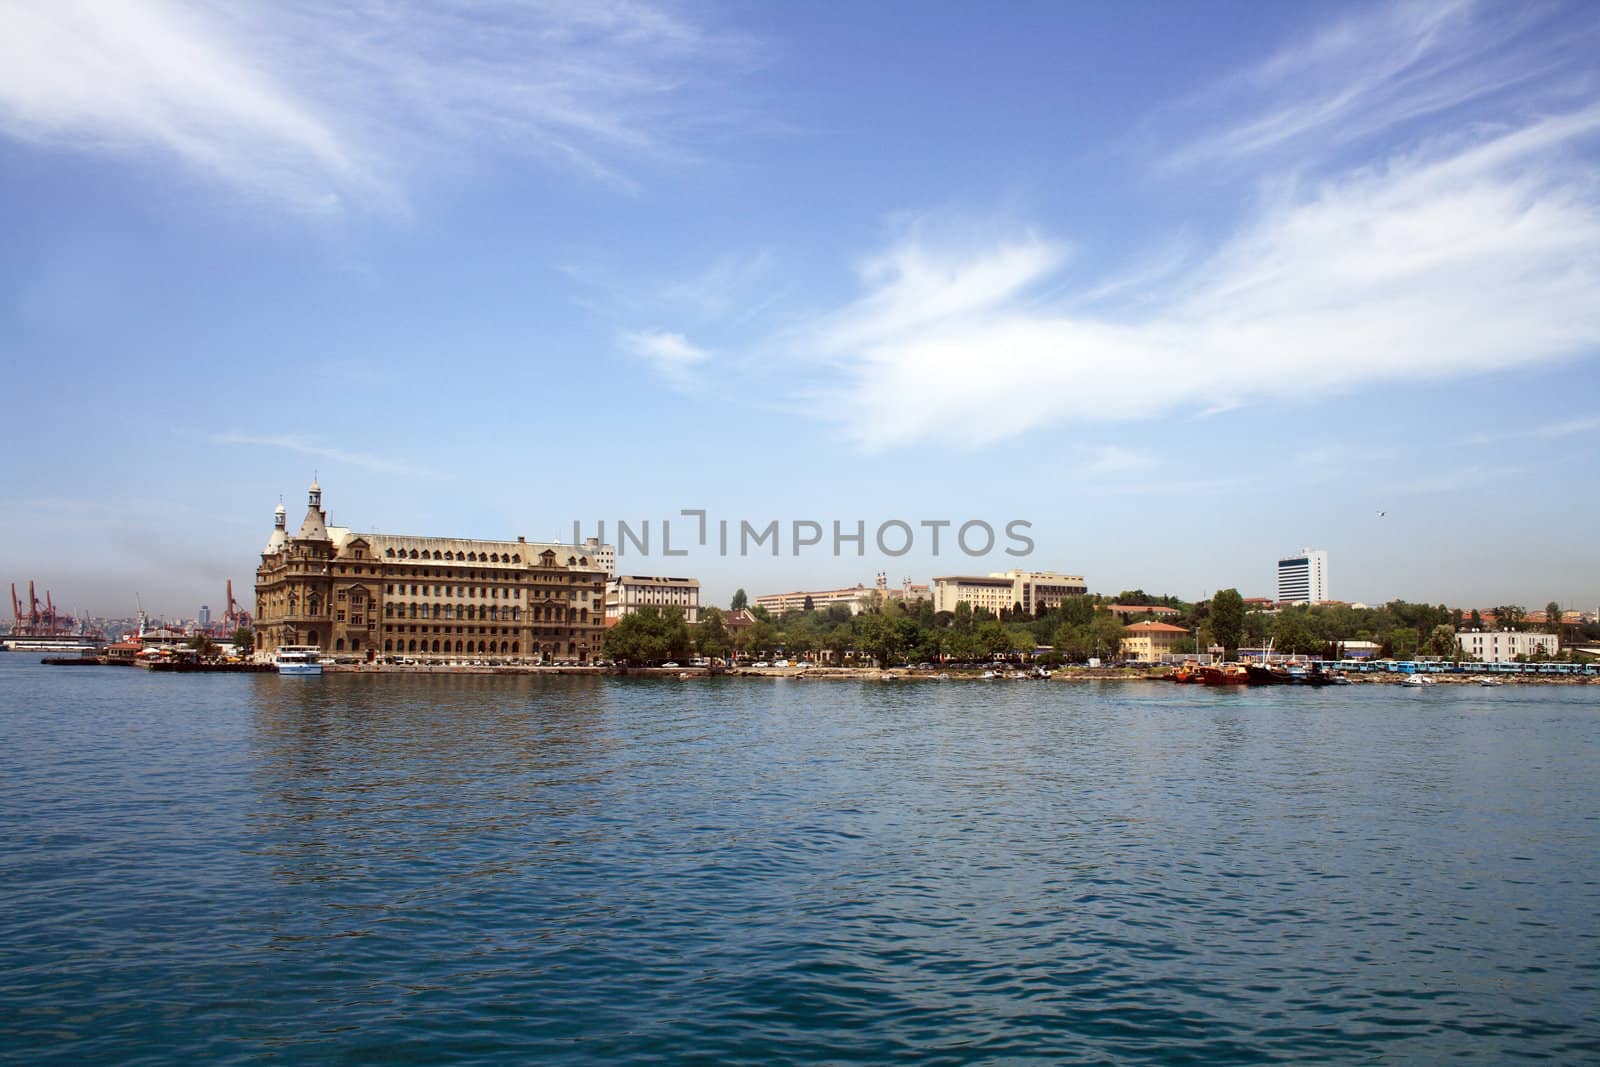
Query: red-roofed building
[
  {"x": 1149, "y": 641},
  {"x": 1158, "y": 611}
]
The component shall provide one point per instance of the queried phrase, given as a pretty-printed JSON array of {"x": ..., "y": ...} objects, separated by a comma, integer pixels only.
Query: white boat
[
  {"x": 1419, "y": 680},
  {"x": 298, "y": 659},
  {"x": 1488, "y": 682}
]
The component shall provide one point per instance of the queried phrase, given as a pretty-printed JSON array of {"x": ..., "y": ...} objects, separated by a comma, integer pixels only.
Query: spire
[{"x": 316, "y": 493}]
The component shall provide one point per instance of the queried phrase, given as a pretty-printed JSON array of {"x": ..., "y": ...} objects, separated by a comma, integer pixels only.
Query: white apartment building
[
  {"x": 627, "y": 593},
  {"x": 1303, "y": 578},
  {"x": 857, "y": 598},
  {"x": 1004, "y": 590},
  {"x": 1504, "y": 646}
]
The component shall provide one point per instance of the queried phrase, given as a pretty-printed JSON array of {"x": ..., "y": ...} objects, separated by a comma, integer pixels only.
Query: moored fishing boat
[
  {"x": 1226, "y": 674},
  {"x": 1258, "y": 674}
]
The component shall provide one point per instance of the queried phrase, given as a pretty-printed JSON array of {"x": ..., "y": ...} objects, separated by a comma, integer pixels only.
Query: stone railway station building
[{"x": 430, "y": 599}]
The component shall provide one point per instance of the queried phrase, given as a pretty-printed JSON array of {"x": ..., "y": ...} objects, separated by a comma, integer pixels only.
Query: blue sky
[{"x": 1187, "y": 287}]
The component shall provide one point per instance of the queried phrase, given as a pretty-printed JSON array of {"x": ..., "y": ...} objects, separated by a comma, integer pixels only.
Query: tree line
[{"x": 891, "y": 632}]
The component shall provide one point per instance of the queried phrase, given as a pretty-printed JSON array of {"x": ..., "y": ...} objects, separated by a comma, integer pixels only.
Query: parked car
[
  {"x": 760, "y": 663},
  {"x": 669, "y": 663}
]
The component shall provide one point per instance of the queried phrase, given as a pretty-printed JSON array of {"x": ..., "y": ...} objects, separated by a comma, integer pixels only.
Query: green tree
[
  {"x": 203, "y": 644},
  {"x": 1552, "y": 617},
  {"x": 649, "y": 636},
  {"x": 1105, "y": 634},
  {"x": 1072, "y": 642},
  {"x": 1227, "y": 619},
  {"x": 1475, "y": 620},
  {"x": 878, "y": 637},
  {"x": 1442, "y": 641},
  {"x": 711, "y": 637},
  {"x": 739, "y": 601},
  {"x": 808, "y": 605},
  {"x": 1403, "y": 642},
  {"x": 1293, "y": 634},
  {"x": 244, "y": 641},
  {"x": 762, "y": 638}
]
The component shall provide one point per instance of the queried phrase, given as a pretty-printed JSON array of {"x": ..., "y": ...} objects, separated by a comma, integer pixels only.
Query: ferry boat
[{"x": 298, "y": 659}]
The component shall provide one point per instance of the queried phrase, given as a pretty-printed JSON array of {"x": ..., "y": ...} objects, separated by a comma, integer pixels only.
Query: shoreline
[{"x": 807, "y": 673}]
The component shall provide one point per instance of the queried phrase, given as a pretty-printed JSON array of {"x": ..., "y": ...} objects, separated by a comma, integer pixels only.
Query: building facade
[
  {"x": 627, "y": 593},
  {"x": 432, "y": 599},
  {"x": 1504, "y": 646},
  {"x": 1147, "y": 642},
  {"x": 1303, "y": 578},
  {"x": 1127, "y": 612},
  {"x": 999, "y": 591},
  {"x": 857, "y": 598}
]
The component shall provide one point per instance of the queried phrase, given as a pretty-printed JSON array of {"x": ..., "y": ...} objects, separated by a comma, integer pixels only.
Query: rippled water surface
[{"x": 422, "y": 869}]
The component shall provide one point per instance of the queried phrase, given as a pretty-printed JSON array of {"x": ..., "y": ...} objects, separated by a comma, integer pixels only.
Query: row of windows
[
  {"x": 466, "y": 557},
  {"x": 454, "y": 611},
  {"x": 471, "y": 591},
  {"x": 512, "y": 648}
]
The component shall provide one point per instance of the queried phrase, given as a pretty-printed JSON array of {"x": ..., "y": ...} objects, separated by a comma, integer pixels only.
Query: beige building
[
  {"x": 1007, "y": 590},
  {"x": 1147, "y": 642},
  {"x": 426, "y": 598},
  {"x": 857, "y": 598},
  {"x": 627, "y": 593}
]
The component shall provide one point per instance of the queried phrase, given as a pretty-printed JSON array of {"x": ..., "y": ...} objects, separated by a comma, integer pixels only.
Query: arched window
[
  {"x": 388, "y": 645},
  {"x": 338, "y": 646},
  {"x": 413, "y": 553},
  {"x": 516, "y": 648},
  {"x": 413, "y": 645},
  {"x": 436, "y": 646},
  {"x": 516, "y": 559},
  {"x": 505, "y": 646},
  {"x": 389, "y": 552},
  {"x": 458, "y": 647}
]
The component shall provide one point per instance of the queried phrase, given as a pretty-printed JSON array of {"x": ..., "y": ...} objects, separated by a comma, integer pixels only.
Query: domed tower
[{"x": 280, "y": 531}]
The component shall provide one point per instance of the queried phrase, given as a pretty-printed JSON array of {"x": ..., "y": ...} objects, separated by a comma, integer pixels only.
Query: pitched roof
[{"x": 1154, "y": 628}]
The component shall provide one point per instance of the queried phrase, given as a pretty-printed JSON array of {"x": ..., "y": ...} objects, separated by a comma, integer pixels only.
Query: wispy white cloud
[
  {"x": 307, "y": 447},
  {"x": 1446, "y": 260},
  {"x": 1376, "y": 70},
  {"x": 671, "y": 355},
  {"x": 1108, "y": 460},
  {"x": 1550, "y": 431},
  {"x": 324, "y": 106}
]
